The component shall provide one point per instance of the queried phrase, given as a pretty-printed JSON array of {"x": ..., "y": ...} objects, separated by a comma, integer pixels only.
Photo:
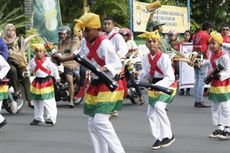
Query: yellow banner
[{"x": 173, "y": 17}]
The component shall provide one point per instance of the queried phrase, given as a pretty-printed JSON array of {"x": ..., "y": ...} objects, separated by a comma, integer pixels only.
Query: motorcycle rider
[
  {"x": 66, "y": 46},
  {"x": 14, "y": 44}
]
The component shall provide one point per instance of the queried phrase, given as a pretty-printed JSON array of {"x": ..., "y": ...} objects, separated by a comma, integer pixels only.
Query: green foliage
[
  {"x": 36, "y": 39},
  {"x": 194, "y": 26},
  {"x": 70, "y": 10},
  {"x": 12, "y": 12},
  {"x": 118, "y": 10},
  {"x": 216, "y": 11}
]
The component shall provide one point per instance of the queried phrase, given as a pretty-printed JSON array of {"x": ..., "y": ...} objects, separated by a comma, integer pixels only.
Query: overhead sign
[{"x": 173, "y": 17}]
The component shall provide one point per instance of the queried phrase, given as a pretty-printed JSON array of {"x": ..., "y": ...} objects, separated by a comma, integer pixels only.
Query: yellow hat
[
  {"x": 89, "y": 20},
  {"x": 151, "y": 35},
  {"x": 217, "y": 37},
  {"x": 38, "y": 46}
]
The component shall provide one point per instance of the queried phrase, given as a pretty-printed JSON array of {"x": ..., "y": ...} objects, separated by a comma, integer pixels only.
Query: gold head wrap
[
  {"x": 89, "y": 20},
  {"x": 38, "y": 46},
  {"x": 217, "y": 37},
  {"x": 151, "y": 35}
]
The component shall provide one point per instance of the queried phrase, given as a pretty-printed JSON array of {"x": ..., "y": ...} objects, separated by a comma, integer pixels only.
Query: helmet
[
  {"x": 65, "y": 29},
  {"x": 125, "y": 32}
]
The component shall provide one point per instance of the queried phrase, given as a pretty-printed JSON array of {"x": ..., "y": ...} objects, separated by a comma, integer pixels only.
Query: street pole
[
  {"x": 131, "y": 15},
  {"x": 188, "y": 13},
  {"x": 85, "y": 7}
]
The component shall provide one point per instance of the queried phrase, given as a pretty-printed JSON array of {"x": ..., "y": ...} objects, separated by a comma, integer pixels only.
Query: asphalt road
[{"x": 191, "y": 127}]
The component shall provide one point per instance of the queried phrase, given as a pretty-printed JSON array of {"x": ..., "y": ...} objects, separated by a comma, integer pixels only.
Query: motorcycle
[
  {"x": 14, "y": 104},
  {"x": 61, "y": 88},
  {"x": 132, "y": 67}
]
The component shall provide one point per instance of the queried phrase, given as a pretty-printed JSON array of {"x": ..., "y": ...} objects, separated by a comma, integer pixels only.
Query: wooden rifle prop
[
  {"x": 155, "y": 87},
  {"x": 110, "y": 83},
  {"x": 213, "y": 74}
]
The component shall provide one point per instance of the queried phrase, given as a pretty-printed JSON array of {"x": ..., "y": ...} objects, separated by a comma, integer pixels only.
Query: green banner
[{"x": 47, "y": 18}]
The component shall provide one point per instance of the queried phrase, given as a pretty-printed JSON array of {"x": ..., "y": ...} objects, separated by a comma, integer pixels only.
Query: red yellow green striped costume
[
  {"x": 99, "y": 99},
  {"x": 219, "y": 90},
  {"x": 42, "y": 88},
  {"x": 155, "y": 96},
  {"x": 3, "y": 91}
]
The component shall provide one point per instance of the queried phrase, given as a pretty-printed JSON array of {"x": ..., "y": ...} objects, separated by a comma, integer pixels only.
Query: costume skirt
[
  {"x": 155, "y": 96},
  {"x": 3, "y": 91},
  {"x": 99, "y": 99},
  {"x": 219, "y": 90},
  {"x": 42, "y": 88}
]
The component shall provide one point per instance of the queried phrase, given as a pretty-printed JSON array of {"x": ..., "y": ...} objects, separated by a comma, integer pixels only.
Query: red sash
[
  {"x": 112, "y": 36},
  {"x": 153, "y": 63},
  {"x": 214, "y": 57},
  {"x": 40, "y": 66},
  {"x": 93, "y": 50}
]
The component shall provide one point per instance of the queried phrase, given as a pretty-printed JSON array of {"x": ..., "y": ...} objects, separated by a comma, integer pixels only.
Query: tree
[
  {"x": 118, "y": 10},
  {"x": 70, "y": 10},
  {"x": 215, "y": 11},
  {"x": 12, "y": 12}
]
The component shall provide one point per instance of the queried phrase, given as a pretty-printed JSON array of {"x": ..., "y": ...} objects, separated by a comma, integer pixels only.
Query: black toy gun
[
  {"x": 110, "y": 83},
  {"x": 213, "y": 74},
  {"x": 155, "y": 87}
]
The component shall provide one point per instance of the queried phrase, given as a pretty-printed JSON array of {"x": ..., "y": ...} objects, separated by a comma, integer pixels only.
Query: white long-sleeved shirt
[
  {"x": 47, "y": 64},
  {"x": 4, "y": 67},
  {"x": 225, "y": 62},
  {"x": 119, "y": 43},
  {"x": 164, "y": 64},
  {"x": 106, "y": 52}
]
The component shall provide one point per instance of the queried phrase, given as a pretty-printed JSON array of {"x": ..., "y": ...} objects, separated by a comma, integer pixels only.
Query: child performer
[
  {"x": 4, "y": 68},
  {"x": 100, "y": 102},
  {"x": 157, "y": 67},
  {"x": 42, "y": 87},
  {"x": 220, "y": 89}
]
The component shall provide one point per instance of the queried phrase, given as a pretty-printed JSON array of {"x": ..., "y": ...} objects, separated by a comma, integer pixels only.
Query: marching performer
[
  {"x": 4, "y": 68},
  {"x": 115, "y": 37},
  {"x": 42, "y": 87},
  {"x": 119, "y": 44},
  {"x": 220, "y": 87},
  {"x": 100, "y": 102},
  {"x": 157, "y": 67}
]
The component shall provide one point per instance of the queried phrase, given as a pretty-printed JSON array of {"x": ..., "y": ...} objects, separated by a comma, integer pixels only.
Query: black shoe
[
  {"x": 35, "y": 122},
  {"x": 216, "y": 134},
  {"x": 167, "y": 142},
  {"x": 3, "y": 123},
  {"x": 201, "y": 105},
  {"x": 50, "y": 122},
  {"x": 156, "y": 145},
  {"x": 225, "y": 135}
]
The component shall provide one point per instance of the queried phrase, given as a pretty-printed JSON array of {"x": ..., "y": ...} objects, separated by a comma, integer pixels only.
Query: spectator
[
  {"x": 200, "y": 45},
  {"x": 15, "y": 74}
]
